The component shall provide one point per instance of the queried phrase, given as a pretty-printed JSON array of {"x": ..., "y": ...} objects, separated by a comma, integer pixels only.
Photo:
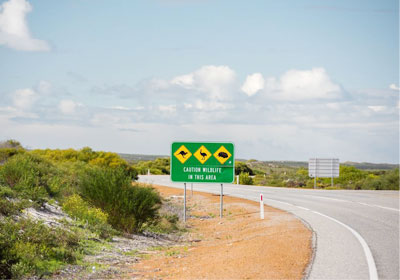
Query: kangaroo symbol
[
  {"x": 203, "y": 154},
  {"x": 182, "y": 153}
]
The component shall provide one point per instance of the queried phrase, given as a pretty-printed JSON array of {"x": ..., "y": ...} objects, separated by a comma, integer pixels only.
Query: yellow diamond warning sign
[
  {"x": 222, "y": 155},
  {"x": 182, "y": 154},
  {"x": 202, "y": 154}
]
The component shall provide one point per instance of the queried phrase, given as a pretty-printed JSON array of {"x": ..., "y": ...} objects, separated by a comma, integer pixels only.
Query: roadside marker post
[
  {"x": 237, "y": 179},
  {"x": 261, "y": 207}
]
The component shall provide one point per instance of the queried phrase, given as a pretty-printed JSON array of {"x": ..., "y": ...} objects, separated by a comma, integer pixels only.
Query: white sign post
[
  {"x": 323, "y": 168},
  {"x": 261, "y": 207}
]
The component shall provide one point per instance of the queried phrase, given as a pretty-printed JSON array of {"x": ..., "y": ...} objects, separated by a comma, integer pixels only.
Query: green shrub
[
  {"x": 245, "y": 179},
  {"x": 7, "y": 207},
  {"x": 6, "y": 153},
  {"x": 349, "y": 175},
  {"x": 76, "y": 207},
  {"x": 260, "y": 180},
  {"x": 88, "y": 156},
  {"x": 166, "y": 223},
  {"x": 127, "y": 206},
  {"x": 159, "y": 166},
  {"x": 241, "y": 167},
  {"x": 389, "y": 180},
  {"x": 30, "y": 248},
  {"x": 6, "y": 191},
  {"x": 29, "y": 176}
]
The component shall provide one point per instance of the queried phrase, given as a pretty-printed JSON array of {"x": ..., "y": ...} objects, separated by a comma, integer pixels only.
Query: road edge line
[{"x": 373, "y": 273}]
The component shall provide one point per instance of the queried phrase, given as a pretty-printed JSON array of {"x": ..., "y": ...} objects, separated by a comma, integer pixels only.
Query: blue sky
[{"x": 281, "y": 79}]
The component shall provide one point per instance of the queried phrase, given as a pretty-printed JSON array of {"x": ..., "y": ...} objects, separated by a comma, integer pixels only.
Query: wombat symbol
[{"x": 222, "y": 154}]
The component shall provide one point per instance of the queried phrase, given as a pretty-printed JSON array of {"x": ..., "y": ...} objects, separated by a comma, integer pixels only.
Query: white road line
[
  {"x": 304, "y": 208},
  {"x": 373, "y": 273},
  {"x": 362, "y": 203},
  {"x": 323, "y": 197},
  {"x": 336, "y": 199},
  {"x": 290, "y": 204},
  {"x": 383, "y": 207}
]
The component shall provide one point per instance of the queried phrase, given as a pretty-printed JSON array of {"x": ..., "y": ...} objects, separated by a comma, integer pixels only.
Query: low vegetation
[
  {"x": 279, "y": 175},
  {"x": 159, "y": 166},
  {"x": 95, "y": 189},
  {"x": 29, "y": 248},
  {"x": 295, "y": 174}
]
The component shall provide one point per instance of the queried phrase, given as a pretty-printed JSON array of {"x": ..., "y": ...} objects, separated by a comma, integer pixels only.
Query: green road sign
[{"x": 207, "y": 162}]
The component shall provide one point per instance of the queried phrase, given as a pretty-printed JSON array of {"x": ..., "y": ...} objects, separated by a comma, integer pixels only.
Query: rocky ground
[{"x": 107, "y": 259}]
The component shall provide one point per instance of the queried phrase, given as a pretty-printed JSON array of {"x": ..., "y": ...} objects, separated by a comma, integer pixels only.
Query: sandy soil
[{"x": 239, "y": 246}]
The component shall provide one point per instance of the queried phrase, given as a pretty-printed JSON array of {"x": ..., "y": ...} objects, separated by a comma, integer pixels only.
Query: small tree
[
  {"x": 241, "y": 167},
  {"x": 245, "y": 179}
]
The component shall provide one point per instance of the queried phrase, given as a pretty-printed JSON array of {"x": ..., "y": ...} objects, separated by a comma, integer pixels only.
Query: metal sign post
[
  {"x": 221, "y": 200},
  {"x": 332, "y": 172},
  {"x": 191, "y": 186},
  {"x": 184, "y": 203}
]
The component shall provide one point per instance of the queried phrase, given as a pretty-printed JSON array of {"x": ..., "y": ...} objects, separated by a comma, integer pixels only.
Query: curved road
[{"x": 356, "y": 232}]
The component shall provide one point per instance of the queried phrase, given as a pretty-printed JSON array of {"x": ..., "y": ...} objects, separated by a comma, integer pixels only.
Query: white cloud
[
  {"x": 185, "y": 81},
  {"x": 216, "y": 81},
  {"x": 377, "y": 108},
  {"x": 187, "y": 106},
  {"x": 394, "y": 87},
  {"x": 44, "y": 87},
  {"x": 303, "y": 84},
  {"x": 14, "y": 31},
  {"x": 210, "y": 106},
  {"x": 167, "y": 108},
  {"x": 333, "y": 105},
  {"x": 121, "y": 108},
  {"x": 24, "y": 98},
  {"x": 68, "y": 107},
  {"x": 253, "y": 84}
]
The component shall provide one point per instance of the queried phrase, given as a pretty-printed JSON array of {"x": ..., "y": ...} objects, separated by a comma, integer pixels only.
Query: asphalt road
[{"x": 356, "y": 232}]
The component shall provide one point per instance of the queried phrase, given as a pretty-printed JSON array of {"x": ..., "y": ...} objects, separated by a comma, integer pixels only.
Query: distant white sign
[{"x": 323, "y": 167}]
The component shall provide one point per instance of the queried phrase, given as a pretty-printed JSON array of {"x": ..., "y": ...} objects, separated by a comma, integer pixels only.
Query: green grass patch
[{"x": 30, "y": 248}]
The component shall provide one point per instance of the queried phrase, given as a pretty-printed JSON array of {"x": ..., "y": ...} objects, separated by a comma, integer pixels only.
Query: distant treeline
[
  {"x": 134, "y": 158},
  {"x": 356, "y": 176},
  {"x": 350, "y": 177}
]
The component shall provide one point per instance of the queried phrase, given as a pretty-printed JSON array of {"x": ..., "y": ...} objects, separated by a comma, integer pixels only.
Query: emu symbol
[
  {"x": 223, "y": 154},
  {"x": 182, "y": 153},
  {"x": 203, "y": 154}
]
